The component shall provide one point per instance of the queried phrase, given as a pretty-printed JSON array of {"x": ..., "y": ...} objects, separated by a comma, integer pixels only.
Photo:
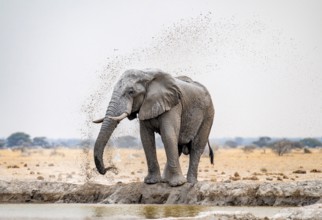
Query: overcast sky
[{"x": 260, "y": 61}]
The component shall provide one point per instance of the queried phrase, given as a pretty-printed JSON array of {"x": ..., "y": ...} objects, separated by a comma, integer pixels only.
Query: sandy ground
[{"x": 77, "y": 166}]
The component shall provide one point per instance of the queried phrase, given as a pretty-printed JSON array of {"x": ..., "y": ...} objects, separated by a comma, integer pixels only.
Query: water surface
[{"x": 102, "y": 211}]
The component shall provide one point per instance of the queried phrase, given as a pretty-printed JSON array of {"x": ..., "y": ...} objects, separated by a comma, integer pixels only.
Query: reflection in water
[
  {"x": 163, "y": 211},
  {"x": 103, "y": 211},
  {"x": 98, "y": 211},
  {"x": 148, "y": 211}
]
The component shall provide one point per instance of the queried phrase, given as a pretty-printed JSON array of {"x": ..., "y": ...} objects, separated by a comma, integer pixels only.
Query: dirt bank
[{"x": 205, "y": 193}]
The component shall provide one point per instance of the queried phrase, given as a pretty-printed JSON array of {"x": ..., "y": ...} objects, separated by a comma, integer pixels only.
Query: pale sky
[{"x": 260, "y": 60}]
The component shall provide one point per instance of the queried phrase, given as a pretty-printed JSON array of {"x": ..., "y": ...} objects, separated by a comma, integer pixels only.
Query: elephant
[{"x": 178, "y": 108}]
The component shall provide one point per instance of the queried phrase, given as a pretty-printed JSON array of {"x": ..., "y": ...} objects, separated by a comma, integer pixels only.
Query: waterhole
[{"x": 100, "y": 211}]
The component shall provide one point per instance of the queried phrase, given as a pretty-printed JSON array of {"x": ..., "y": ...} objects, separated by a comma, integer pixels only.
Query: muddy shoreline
[{"x": 202, "y": 193}]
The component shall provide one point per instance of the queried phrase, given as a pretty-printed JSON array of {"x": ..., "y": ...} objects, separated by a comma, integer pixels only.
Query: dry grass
[{"x": 76, "y": 165}]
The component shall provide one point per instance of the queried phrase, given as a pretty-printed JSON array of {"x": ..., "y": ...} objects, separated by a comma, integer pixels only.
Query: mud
[{"x": 202, "y": 193}]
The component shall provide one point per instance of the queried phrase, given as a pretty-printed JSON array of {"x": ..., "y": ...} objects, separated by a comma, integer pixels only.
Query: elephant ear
[{"x": 162, "y": 94}]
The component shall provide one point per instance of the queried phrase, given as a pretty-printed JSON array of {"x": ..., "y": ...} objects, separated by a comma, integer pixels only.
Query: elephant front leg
[
  {"x": 148, "y": 142},
  {"x": 172, "y": 172}
]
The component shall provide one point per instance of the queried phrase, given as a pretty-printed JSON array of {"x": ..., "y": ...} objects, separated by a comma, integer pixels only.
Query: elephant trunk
[{"x": 104, "y": 135}]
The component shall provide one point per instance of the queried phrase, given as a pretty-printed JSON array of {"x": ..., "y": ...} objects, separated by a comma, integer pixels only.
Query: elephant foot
[
  {"x": 173, "y": 177},
  {"x": 191, "y": 179},
  {"x": 152, "y": 178},
  {"x": 177, "y": 180}
]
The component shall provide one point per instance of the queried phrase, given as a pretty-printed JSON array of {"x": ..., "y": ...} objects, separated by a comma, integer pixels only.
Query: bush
[
  {"x": 249, "y": 148},
  {"x": 281, "y": 147}
]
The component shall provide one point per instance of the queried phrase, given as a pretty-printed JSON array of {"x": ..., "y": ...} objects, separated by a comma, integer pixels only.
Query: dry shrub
[
  {"x": 300, "y": 171},
  {"x": 263, "y": 170},
  {"x": 249, "y": 148},
  {"x": 315, "y": 171},
  {"x": 307, "y": 151}
]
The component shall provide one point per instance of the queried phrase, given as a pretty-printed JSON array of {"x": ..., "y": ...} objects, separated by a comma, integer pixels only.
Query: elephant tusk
[
  {"x": 120, "y": 117},
  {"x": 97, "y": 121}
]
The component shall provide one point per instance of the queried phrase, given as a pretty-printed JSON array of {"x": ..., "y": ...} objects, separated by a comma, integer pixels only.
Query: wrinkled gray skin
[{"x": 179, "y": 109}]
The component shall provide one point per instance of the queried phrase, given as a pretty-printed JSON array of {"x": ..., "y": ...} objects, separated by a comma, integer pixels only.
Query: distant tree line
[
  {"x": 21, "y": 139},
  {"x": 279, "y": 146}
]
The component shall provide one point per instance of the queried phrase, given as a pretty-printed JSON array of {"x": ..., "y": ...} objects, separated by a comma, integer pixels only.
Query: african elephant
[{"x": 179, "y": 109}]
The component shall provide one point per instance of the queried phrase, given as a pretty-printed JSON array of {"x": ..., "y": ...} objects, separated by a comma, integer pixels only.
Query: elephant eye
[{"x": 131, "y": 92}]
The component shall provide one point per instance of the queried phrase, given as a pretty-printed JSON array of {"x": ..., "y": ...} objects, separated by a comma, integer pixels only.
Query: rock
[
  {"x": 312, "y": 212},
  {"x": 233, "y": 178},
  {"x": 290, "y": 194},
  {"x": 300, "y": 171},
  {"x": 250, "y": 178},
  {"x": 240, "y": 215},
  {"x": 13, "y": 166},
  {"x": 264, "y": 170},
  {"x": 315, "y": 171},
  {"x": 40, "y": 178},
  {"x": 202, "y": 193}
]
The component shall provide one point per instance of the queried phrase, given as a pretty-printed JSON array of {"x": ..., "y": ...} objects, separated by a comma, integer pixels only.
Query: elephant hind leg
[
  {"x": 197, "y": 148},
  {"x": 195, "y": 154}
]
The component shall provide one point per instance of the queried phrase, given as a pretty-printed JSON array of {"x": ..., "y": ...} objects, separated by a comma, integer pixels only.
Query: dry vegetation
[{"x": 76, "y": 165}]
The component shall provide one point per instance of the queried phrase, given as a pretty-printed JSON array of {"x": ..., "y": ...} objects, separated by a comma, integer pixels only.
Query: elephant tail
[{"x": 211, "y": 154}]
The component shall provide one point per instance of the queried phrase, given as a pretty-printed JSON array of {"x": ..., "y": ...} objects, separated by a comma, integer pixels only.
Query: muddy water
[{"x": 98, "y": 211}]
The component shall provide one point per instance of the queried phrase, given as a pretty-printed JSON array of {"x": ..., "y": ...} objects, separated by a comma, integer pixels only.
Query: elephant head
[{"x": 146, "y": 93}]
